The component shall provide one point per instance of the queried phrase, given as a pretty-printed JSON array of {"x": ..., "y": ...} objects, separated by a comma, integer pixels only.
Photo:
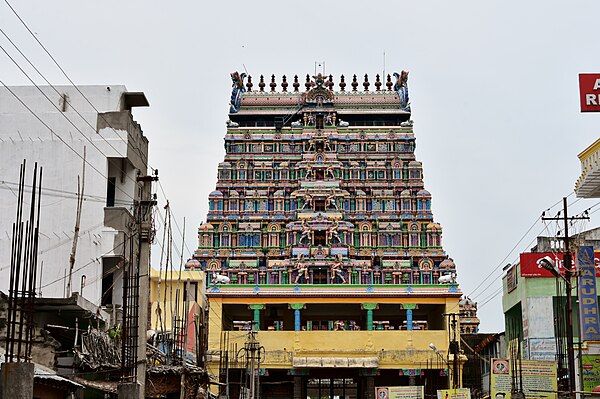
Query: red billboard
[
  {"x": 589, "y": 92},
  {"x": 531, "y": 268}
]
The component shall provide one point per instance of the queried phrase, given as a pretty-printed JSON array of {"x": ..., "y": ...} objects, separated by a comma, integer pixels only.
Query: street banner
[
  {"x": 538, "y": 379},
  {"x": 414, "y": 392},
  {"x": 590, "y": 371},
  {"x": 461, "y": 393},
  {"x": 588, "y": 295},
  {"x": 530, "y": 268},
  {"x": 589, "y": 92}
]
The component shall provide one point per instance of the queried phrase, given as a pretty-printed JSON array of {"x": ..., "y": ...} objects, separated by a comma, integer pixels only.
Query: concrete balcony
[
  {"x": 118, "y": 218},
  {"x": 588, "y": 184},
  {"x": 388, "y": 349}
]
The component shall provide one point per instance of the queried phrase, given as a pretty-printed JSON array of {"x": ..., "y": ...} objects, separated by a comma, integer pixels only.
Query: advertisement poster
[
  {"x": 590, "y": 371},
  {"x": 539, "y": 379},
  {"x": 416, "y": 392},
  {"x": 541, "y": 348},
  {"x": 588, "y": 295},
  {"x": 589, "y": 92},
  {"x": 530, "y": 267},
  {"x": 461, "y": 393}
]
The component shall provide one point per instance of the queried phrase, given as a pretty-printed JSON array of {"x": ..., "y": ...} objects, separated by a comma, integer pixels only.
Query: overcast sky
[{"x": 493, "y": 86}]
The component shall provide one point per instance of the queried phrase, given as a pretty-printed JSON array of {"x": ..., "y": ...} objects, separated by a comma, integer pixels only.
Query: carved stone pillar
[
  {"x": 369, "y": 307},
  {"x": 257, "y": 308}
]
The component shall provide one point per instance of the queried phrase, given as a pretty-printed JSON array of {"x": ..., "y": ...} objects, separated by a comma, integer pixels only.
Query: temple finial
[{"x": 284, "y": 84}]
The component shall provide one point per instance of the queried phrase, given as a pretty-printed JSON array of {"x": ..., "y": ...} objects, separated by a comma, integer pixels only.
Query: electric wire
[
  {"x": 501, "y": 264},
  {"x": 65, "y": 98},
  {"x": 65, "y": 74},
  {"x": 83, "y": 95},
  {"x": 495, "y": 293},
  {"x": 70, "y": 122},
  {"x": 97, "y": 259}
]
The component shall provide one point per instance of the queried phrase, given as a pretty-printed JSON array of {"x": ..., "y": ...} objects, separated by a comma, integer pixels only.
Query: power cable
[
  {"x": 60, "y": 138},
  {"x": 52, "y": 192},
  {"x": 65, "y": 74},
  {"x": 60, "y": 94},
  {"x": 501, "y": 264},
  {"x": 83, "y": 95},
  {"x": 68, "y": 120},
  {"x": 89, "y": 263}
]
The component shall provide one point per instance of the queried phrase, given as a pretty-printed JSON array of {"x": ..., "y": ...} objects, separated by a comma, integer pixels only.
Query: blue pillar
[
  {"x": 297, "y": 320},
  {"x": 409, "y": 307},
  {"x": 296, "y": 307}
]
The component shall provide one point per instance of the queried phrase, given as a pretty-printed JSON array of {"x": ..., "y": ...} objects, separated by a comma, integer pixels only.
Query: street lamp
[
  {"x": 454, "y": 378},
  {"x": 547, "y": 263}
]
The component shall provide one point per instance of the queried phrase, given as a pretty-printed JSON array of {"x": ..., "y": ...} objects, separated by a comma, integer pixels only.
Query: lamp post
[{"x": 454, "y": 381}]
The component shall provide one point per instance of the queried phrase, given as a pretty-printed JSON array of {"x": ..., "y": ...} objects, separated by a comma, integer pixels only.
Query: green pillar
[
  {"x": 369, "y": 307},
  {"x": 257, "y": 308}
]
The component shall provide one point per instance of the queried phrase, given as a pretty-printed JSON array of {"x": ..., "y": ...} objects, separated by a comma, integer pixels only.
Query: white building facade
[{"x": 116, "y": 153}]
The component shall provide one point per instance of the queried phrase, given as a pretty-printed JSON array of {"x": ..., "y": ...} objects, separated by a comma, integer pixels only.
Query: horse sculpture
[
  {"x": 401, "y": 87},
  {"x": 238, "y": 88}
]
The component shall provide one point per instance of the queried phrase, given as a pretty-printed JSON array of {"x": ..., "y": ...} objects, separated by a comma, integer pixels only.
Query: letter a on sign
[{"x": 589, "y": 91}]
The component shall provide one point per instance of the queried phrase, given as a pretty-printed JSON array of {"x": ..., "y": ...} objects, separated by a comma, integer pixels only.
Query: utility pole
[
  {"x": 136, "y": 289},
  {"x": 454, "y": 349},
  {"x": 252, "y": 351},
  {"x": 569, "y": 305}
]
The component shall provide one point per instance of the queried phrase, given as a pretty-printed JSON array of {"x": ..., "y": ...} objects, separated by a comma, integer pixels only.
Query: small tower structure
[{"x": 469, "y": 322}]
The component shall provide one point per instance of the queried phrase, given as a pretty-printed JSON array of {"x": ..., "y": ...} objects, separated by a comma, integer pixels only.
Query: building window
[
  {"x": 193, "y": 294},
  {"x": 110, "y": 191}
]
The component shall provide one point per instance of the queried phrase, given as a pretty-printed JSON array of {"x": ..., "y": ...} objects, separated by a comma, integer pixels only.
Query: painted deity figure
[
  {"x": 329, "y": 172},
  {"x": 308, "y": 202},
  {"x": 331, "y": 202},
  {"x": 238, "y": 88},
  {"x": 301, "y": 269},
  {"x": 332, "y": 232},
  {"x": 306, "y": 232},
  {"x": 337, "y": 270},
  {"x": 401, "y": 87},
  {"x": 329, "y": 120}
]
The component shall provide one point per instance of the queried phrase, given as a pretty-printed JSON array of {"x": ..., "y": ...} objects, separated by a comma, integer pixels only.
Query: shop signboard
[
  {"x": 529, "y": 263},
  {"x": 539, "y": 378},
  {"x": 590, "y": 371},
  {"x": 460, "y": 393},
  {"x": 588, "y": 295},
  {"x": 414, "y": 392},
  {"x": 589, "y": 92}
]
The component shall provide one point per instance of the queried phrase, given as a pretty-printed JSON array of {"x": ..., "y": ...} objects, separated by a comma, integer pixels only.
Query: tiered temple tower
[
  {"x": 320, "y": 221},
  {"x": 469, "y": 322}
]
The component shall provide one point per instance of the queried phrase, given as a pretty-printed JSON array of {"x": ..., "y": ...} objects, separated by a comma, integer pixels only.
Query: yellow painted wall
[
  {"x": 172, "y": 283},
  {"x": 451, "y": 303},
  {"x": 394, "y": 348}
]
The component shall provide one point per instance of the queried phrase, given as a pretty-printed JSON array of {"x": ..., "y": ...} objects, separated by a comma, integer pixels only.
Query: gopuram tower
[{"x": 320, "y": 238}]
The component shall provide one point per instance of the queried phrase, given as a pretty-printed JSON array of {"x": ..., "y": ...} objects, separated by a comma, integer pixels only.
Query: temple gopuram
[{"x": 320, "y": 246}]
